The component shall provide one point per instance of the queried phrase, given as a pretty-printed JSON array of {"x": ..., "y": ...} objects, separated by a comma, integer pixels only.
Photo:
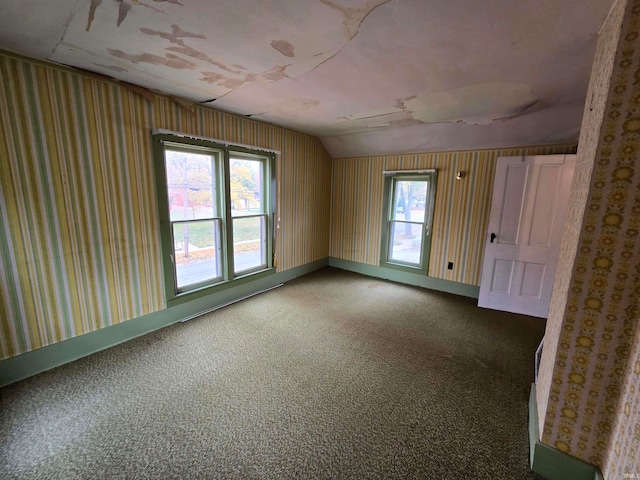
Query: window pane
[
  {"x": 410, "y": 198},
  {"x": 246, "y": 187},
  {"x": 249, "y": 243},
  {"x": 406, "y": 242},
  {"x": 191, "y": 186},
  {"x": 197, "y": 251}
]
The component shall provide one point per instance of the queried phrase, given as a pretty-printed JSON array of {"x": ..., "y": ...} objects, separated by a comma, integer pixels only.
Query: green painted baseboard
[
  {"x": 550, "y": 462},
  {"x": 31, "y": 363},
  {"x": 408, "y": 278}
]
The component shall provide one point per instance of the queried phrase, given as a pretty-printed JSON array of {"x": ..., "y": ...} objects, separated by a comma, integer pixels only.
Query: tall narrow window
[
  {"x": 249, "y": 214},
  {"x": 195, "y": 215},
  {"x": 216, "y": 212},
  {"x": 407, "y": 219}
]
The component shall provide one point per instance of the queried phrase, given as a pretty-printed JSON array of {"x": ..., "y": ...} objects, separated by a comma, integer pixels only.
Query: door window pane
[
  {"x": 197, "y": 251},
  {"x": 246, "y": 187},
  {"x": 406, "y": 242},
  {"x": 410, "y": 200},
  {"x": 249, "y": 243},
  {"x": 190, "y": 185}
]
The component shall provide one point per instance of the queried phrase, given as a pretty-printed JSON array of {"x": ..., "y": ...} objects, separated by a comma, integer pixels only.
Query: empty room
[{"x": 330, "y": 239}]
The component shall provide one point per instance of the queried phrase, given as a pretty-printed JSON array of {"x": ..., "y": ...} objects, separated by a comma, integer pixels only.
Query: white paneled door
[{"x": 528, "y": 208}]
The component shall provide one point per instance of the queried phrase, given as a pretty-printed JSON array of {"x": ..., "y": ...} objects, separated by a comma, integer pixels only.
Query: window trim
[
  {"x": 391, "y": 178},
  {"x": 163, "y": 140}
]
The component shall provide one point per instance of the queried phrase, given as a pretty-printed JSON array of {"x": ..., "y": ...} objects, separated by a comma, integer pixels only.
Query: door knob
[{"x": 493, "y": 237}]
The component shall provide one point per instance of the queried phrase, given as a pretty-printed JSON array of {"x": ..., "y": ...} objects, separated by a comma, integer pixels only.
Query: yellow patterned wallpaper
[
  {"x": 588, "y": 146},
  {"x": 461, "y": 207},
  {"x": 79, "y": 236},
  {"x": 592, "y": 408},
  {"x": 623, "y": 452}
]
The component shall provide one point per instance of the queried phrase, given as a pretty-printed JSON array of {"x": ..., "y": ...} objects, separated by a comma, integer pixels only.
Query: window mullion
[
  {"x": 393, "y": 220},
  {"x": 272, "y": 208},
  {"x": 254, "y": 215},
  {"x": 228, "y": 220},
  {"x": 194, "y": 220}
]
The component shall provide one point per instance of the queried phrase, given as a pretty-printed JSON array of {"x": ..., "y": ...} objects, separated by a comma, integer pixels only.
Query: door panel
[
  {"x": 546, "y": 198},
  {"x": 529, "y": 203},
  {"x": 502, "y": 273},
  {"x": 532, "y": 280},
  {"x": 514, "y": 186}
]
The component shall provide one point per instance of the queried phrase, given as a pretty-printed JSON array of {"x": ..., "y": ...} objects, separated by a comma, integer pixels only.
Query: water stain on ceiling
[
  {"x": 284, "y": 47},
  {"x": 479, "y": 104},
  {"x": 366, "y": 76}
]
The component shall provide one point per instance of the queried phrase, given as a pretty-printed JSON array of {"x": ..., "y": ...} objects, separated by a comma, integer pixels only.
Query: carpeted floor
[{"x": 332, "y": 376}]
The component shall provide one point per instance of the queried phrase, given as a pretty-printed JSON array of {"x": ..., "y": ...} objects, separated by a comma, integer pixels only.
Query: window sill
[
  {"x": 219, "y": 287},
  {"x": 404, "y": 267}
]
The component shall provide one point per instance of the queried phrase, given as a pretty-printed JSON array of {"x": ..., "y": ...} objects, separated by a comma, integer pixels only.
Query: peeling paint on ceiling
[
  {"x": 354, "y": 16},
  {"x": 115, "y": 68},
  {"x": 291, "y": 108},
  {"x": 176, "y": 35},
  {"x": 367, "y": 76},
  {"x": 123, "y": 9},
  {"x": 478, "y": 104}
]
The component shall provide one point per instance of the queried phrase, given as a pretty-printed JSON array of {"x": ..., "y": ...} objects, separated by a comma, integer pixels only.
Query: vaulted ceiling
[{"x": 366, "y": 76}]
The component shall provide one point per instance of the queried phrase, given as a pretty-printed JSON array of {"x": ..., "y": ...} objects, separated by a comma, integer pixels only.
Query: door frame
[{"x": 524, "y": 253}]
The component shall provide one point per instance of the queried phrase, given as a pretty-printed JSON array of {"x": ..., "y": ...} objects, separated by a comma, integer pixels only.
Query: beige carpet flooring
[{"x": 332, "y": 376}]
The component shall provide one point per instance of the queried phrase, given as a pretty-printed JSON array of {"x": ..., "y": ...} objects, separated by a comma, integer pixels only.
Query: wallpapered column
[{"x": 589, "y": 380}]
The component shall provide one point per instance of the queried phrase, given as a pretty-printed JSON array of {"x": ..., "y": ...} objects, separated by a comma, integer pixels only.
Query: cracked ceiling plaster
[{"x": 366, "y": 76}]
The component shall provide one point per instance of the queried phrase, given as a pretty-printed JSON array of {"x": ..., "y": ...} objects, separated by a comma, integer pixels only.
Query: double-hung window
[
  {"x": 407, "y": 218},
  {"x": 216, "y": 212},
  {"x": 249, "y": 214}
]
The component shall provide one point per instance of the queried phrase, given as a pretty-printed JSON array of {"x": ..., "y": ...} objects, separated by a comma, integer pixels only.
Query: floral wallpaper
[
  {"x": 587, "y": 375},
  {"x": 623, "y": 456}
]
